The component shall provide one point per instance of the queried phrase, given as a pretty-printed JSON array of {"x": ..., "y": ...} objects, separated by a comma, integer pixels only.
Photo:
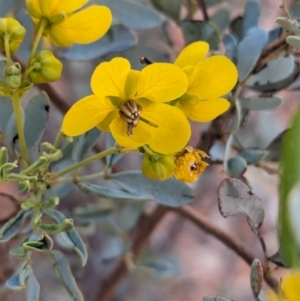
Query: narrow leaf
[
  {"x": 234, "y": 197},
  {"x": 252, "y": 155},
  {"x": 65, "y": 276},
  {"x": 17, "y": 281},
  {"x": 33, "y": 287},
  {"x": 251, "y": 15},
  {"x": 261, "y": 103},
  {"x": 168, "y": 7}
]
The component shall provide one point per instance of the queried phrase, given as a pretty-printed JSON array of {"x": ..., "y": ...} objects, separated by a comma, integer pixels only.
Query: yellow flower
[
  {"x": 129, "y": 104},
  {"x": 66, "y": 25},
  {"x": 209, "y": 78},
  {"x": 289, "y": 290},
  {"x": 189, "y": 165}
]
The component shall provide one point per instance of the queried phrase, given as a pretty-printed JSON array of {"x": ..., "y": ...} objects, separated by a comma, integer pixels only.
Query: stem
[
  {"x": 58, "y": 138},
  {"x": 202, "y": 6},
  {"x": 41, "y": 27},
  {"x": 148, "y": 122},
  {"x": 86, "y": 161},
  {"x": 19, "y": 123},
  {"x": 100, "y": 174},
  {"x": 35, "y": 165},
  {"x": 7, "y": 50},
  {"x": 284, "y": 7}
]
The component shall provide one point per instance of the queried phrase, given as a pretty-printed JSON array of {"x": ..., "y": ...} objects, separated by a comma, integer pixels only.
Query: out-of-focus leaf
[
  {"x": 200, "y": 30},
  {"x": 230, "y": 44},
  {"x": 5, "y": 7},
  {"x": 12, "y": 227},
  {"x": 221, "y": 19},
  {"x": 168, "y": 7},
  {"x": 117, "y": 39},
  {"x": 274, "y": 34},
  {"x": 17, "y": 281},
  {"x": 33, "y": 287},
  {"x": 84, "y": 144},
  {"x": 278, "y": 259},
  {"x": 114, "y": 194},
  {"x": 36, "y": 116},
  {"x": 114, "y": 158},
  {"x": 295, "y": 11},
  {"x": 5, "y": 114},
  {"x": 249, "y": 50},
  {"x": 72, "y": 237},
  {"x": 235, "y": 167},
  {"x": 289, "y": 176},
  {"x": 261, "y": 103},
  {"x": 212, "y": 2},
  {"x": 252, "y": 155},
  {"x": 234, "y": 197},
  {"x": 133, "y": 15},
  {"x": 274, "y": 148},
  {"x": 216, "y": 298},
  {"x": 256, "y": 277},
  {"x": 236, "y": 28},
  {"x": 171, "y": 192},
  {"x": 65, "y": 276},
  {"x": 251, "y": 15},
  {"x": 273, "y": 72},
  {"x": 130, "y": 214}
]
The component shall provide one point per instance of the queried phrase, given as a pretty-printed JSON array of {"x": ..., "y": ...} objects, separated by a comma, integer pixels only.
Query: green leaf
[
  {"x": 168, "y": 7},
  {"x": 130, "y": 214},
  {"x": 17, "y": 281},
  {"x": 114, "y": 158},
  {"x": 274, "y": 34},
  {"x": 234, "y": 197},
  {"x": 6, "y": 112},
  {"x": 133, "y": 15},
  {"x": 117, "y": 39},
  {"x": 36, "y": 116},
  {"x": 251, "y": 15},
  {"x": 72, "y": 237},
  {"x": 64, "y": 273},
  {"x": 235, "y": 167},
  {"x": 199, "y": 30},
  {"x": 39, "y": 242},
  {"x": 236, "y": 28},
  {"x": 33, "y": 287},
  {"x": 171, "y": 192},
  {"x": 261, "y": 103},
  {"x": 249, "y": 50},
  {"x": 66, "y": 226},
  {"x": 113, "y": 194},
  {"x": 221, "y": 19},
  {"x": 274, "y": 148},
  {"x": 12, "y": 227},
  {"x": 252, "y": 155},
  {"x": 289, "y": 176},
  {"x": 230, "y": 44},
  {"x": 212, "y": 2}
]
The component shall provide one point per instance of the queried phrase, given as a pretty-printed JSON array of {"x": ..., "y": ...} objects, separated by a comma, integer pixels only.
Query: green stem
[
  {"x": 58, "y": 138},
  {"x": 7, "y": 50},
  {"x": 41, "y": 28},
  {"x": 148, "y": 122},
  {"x": 35, "y": 165},
  {"x": 19, "y": 123},
  {"x": 86, "y": 161},
  {"x": 100, "y": 174}
]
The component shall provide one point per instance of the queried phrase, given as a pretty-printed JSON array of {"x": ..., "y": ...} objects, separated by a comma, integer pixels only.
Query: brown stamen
[{"x": 130, "y": 112}]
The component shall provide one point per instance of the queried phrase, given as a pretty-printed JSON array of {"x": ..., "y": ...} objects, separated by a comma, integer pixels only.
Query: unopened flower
[
  {"x": 65, "y": 25},
  {"x": 209, "y": 78},
  {"x": 130, "y": 104},
  {"x": 189, "y": 165}
]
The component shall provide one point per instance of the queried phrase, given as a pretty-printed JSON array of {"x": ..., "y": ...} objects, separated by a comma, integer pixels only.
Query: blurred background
[{"x": 180, "y": 261}]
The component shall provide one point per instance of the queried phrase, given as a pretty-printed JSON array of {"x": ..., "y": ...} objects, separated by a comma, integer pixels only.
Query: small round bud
[
  {"x": 158, "y": 167},
  {"x": 47, "y": 68},
  {"x": 294, "y": 41},
  {"x": 13, "y": 81},
  {"x": 14, "y": 69},
  {"x": 12, "y": 31},
  {"x": 236, "y": 167},
  {"x": 189, "y": 165}
]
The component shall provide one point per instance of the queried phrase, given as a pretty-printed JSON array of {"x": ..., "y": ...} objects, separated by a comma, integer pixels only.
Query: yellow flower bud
[
  {"x": 13, "y": 76},
  {"x": 13, "y": 32},
  {"x": 46, "y": 68},
  {"x": 189, "y": 165},
  {"x": 158, "y": 167}
]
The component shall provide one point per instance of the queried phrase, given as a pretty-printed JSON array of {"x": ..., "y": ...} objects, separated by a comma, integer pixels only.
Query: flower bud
[
  {"x": 158, "y": 167},
  {"x": 14, "y": 69},
  {"x": 12, "y": 31},
  {"x": 47, "y": 68},
  {"x": 189, "y": 165}
]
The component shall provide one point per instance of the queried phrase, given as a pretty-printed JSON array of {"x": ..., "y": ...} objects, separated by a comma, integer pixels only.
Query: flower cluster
[{"x": 152, "y": 107}]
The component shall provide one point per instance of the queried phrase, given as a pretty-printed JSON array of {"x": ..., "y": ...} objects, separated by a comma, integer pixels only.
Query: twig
[{"x": 202, "y": 6}]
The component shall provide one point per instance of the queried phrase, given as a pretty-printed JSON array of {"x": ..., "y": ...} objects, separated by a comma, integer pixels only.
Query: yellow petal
[
  {"x": 47, "y": 7},
  {"x": 213, "y": 77},
  {"x": 84, "y": 27},
  {"x": 109, "y": 78},
  {"x": 139, "y": 138},
  {"x": 69, "y": 6},
  {"x": 105, "y": 123},
  {"x": 33, "y": 7},
  {"x": 173, "y": 131},
  {"x": 130, "y": 88},
  {"x": 192, "y": 54},
  {"x": 204, "y": 110},
  {"x": 162, "y": 82},
  {"x": 85, "y": 114},
  {"x": 291, "y": 286}
]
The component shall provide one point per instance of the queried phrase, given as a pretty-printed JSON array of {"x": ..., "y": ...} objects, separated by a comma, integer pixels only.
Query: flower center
[{"x": 130, "y": 112}]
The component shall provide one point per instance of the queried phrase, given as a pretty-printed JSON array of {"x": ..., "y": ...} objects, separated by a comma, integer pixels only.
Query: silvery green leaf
[
  {"x": 168, "y": 7},
  {"x": 17, "y": 281},
  {"x": 117, "y": 39},
  {"x": 36, "y": 116},
  {"x": 274, "y": 34},
  {"x": 200, "y": 30},
  {"x": 6, "y": 112},
  {"x": 130, "y": 214},
  {"x": 235, "y": 167},
  {"x": 133, "y": 15},
  {"x": 261, "y": 103},
  {"x": 234, "y": 197},
  {"x": 230, "y": 44},
  {"x": 212, "y": 2},
  {"x": 39, "y": 242},
  {"x": 114, "y": 158},
  {"x": 12, "y": 227},
  {"x": 64, "y": 273},
  {"x": 170, "y": 193},
  {"x": 274, "y": 148},
  {"x": 252, "y": 155},
  {"x": 256, "y": 277},
  {"x": 236, "y": 28},
  {"x": 249, "y": 50},
  {"x": 251, "y": 15},
  {"x": 114, "y": 194},
  {"x": 216, "y": 298},
  {"x": 221, "y": 19},
  {"x": 273, "y": 72},
  {"x": 72, "y": 237},
  {"x": 33, "y": 287}
]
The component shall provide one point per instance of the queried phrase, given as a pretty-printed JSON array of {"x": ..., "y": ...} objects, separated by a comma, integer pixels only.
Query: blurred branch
[{"x": 202, "y": 6}]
